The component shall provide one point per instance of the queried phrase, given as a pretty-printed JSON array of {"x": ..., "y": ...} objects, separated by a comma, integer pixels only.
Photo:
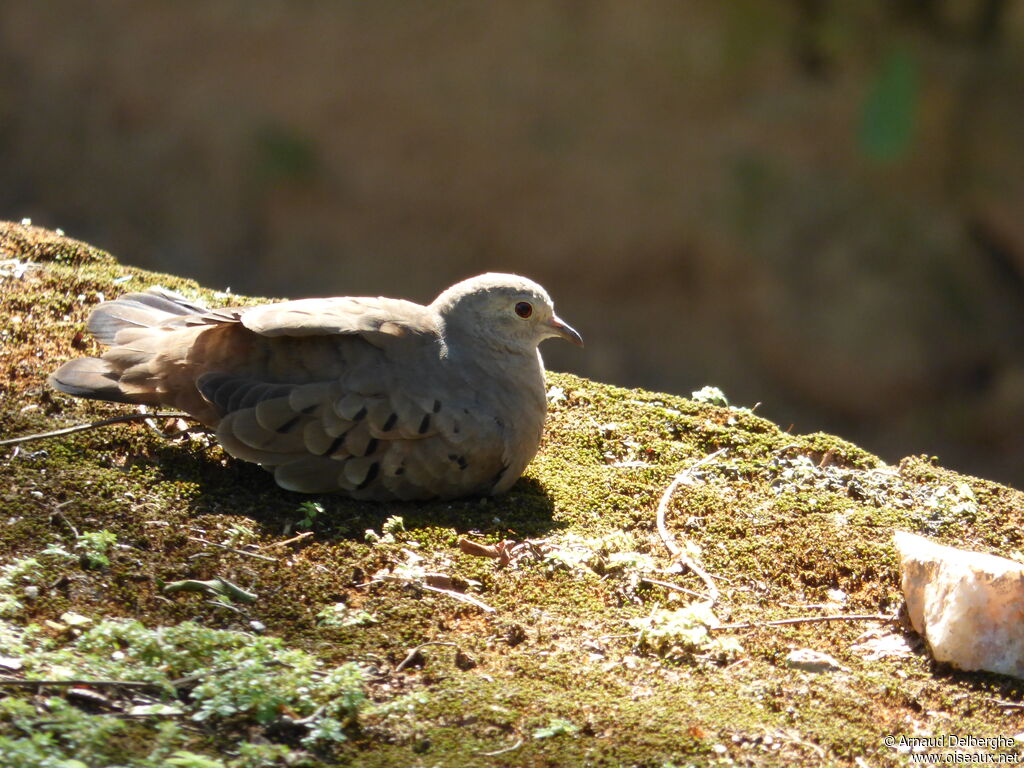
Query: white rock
[
  {"x": 880, "y": 643},
  {"x": 968, "y": 605},
  {"x": 810, "y": 660},
  {"x": 73, "y": 619}
]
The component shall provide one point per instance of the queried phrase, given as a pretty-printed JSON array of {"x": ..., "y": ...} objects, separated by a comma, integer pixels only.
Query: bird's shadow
[{"x": 227, "y": 486}]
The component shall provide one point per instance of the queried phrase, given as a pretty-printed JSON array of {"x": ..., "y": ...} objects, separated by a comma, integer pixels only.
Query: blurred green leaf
[
  {"x": 887, "y": 117},
  {"x": 283, "y": 155}
]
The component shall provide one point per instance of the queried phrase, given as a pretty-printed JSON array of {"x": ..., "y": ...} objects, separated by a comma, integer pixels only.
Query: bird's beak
[{"x": 563, "y": 330}]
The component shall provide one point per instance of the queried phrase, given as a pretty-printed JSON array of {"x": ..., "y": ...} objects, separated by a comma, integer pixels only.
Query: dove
[{"x": 376, "y": 398}]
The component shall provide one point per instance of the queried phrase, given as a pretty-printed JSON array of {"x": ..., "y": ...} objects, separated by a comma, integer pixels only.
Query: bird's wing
[
  {"x": 404, "y": 442},
  {"x": 330, "y": 394},
  {"x": 374, "y": 318},
  {"x": 377, "y": 414}
]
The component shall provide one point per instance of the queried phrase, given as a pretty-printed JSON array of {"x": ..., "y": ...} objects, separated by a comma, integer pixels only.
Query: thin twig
[
  {"x": 806, "y": 620},
  {"x": 308, "y": 719},
  {"x": 233, "y": 549},
  {"x": 19, "y": 683},
  {"x": 674, "y": 549},
  {"x": 101, "y": 423},
  {"x": 517, "y": 745},
  {"x": 292, "y": 540},
  {"x": 63, "y": 518},
  {"x": 1007, "y": 704},
  {"x": 809, "y": 744},
  {"x": 409, "y": 657},
  {"x": 460, "y": 596},
  {"x": 676, "y": 587},
  {"x": 678, "y": 553}
]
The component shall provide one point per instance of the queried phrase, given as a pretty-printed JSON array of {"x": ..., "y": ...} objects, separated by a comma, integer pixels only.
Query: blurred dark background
[{"x": 814, "y": 204}]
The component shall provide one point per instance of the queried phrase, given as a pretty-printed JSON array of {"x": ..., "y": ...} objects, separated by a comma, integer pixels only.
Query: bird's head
[{"x": 505, "y": 311}]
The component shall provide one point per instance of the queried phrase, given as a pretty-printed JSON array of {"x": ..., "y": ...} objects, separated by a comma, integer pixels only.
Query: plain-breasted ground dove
[{"x": 373, "y": 397}]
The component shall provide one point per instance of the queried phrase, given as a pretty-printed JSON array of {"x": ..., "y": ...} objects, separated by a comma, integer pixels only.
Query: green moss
[{"x": 781, "y": 521}]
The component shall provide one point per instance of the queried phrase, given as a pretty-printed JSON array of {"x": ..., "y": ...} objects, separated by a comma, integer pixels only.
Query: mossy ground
[{"x": 781, "y": 522}]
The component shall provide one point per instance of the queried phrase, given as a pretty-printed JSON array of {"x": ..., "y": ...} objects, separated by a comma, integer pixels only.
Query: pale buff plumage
[{"x": 373, "y": 397}]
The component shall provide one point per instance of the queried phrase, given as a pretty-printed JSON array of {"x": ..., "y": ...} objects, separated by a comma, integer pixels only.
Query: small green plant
[
  {"x": 340, "y": 615},
  {"x": 185, "y": 759},
  {"x": 93, "y": 548},
  {"x": 684, "y": 632},
  {"x": 710, "y": 396},
  {"x": 391, "y": 527},
  {"x": 949, "y": 505},
  {"x": 797, "y": 472},
  {"x": 394, "y": 524},
  {"x": 715, "y": 396},
  {"x": 557, "y": 727},
  {"x": 571, "y": 556},
  {"x": 30, "y": 743},
  {"x": 20, "y": 578},
  {"x": 233, "y": 680},
  {"x": 252, "y": 755},
  {"x": 611, "y": 553},
  {"x": 14, "y": 577},
  {"x": 310, "y": 511},
  {"x": 13, "y": 640}
]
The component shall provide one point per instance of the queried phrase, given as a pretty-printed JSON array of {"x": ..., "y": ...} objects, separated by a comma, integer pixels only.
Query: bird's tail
[{"x": 135, "y": 327}]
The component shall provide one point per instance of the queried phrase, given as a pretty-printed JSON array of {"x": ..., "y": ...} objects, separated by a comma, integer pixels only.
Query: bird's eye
[{"x": 524, "y": 309}]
